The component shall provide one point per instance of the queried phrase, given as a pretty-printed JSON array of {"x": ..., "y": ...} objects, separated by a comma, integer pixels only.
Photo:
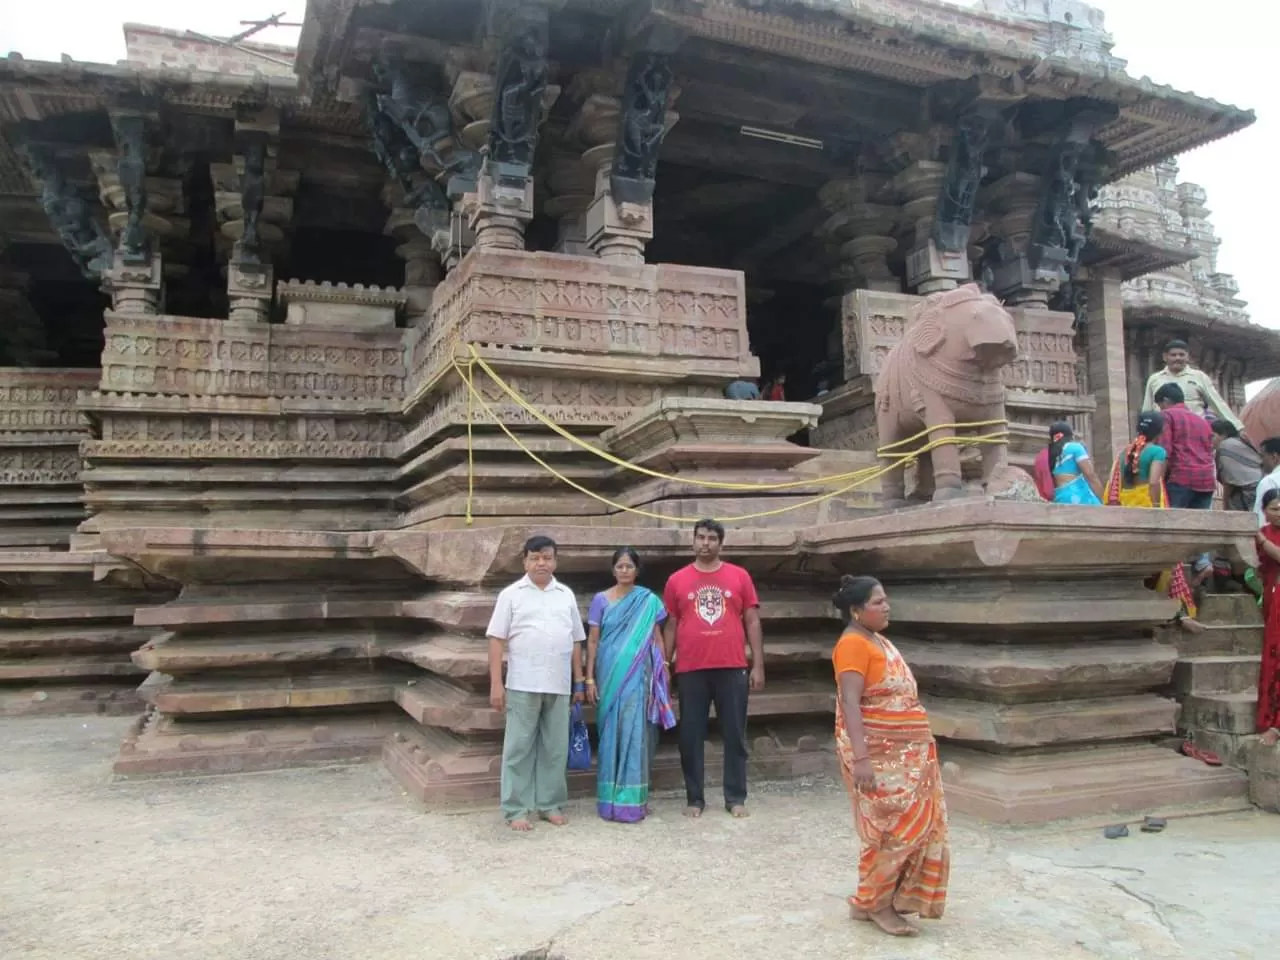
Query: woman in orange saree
[{"x": 890, "y": 765}]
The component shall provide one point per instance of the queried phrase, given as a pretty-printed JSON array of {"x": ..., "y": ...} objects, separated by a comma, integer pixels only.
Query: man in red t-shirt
[{"x": 712, "y": 614}]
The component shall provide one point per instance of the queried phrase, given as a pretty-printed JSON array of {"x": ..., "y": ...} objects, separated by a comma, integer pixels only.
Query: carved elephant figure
[{"x": 946, "y": 369}]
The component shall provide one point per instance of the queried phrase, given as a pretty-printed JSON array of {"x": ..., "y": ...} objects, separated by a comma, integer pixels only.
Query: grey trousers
[{"x": 535, "y": 752}]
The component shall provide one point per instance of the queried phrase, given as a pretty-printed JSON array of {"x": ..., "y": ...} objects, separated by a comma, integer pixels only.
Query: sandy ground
[{"x": 337, "y": 863}]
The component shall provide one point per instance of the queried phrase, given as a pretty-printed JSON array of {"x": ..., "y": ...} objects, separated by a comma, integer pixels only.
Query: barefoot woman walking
[{"x": 890, "y": 766}]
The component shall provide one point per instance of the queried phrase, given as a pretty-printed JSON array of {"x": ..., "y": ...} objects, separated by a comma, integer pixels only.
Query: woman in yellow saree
[
  {"x": 890, "y": 765},
  {"x": 1137, "y": 480}
]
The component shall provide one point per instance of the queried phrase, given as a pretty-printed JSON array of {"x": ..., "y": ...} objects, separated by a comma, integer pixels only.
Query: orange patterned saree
[{"x": 902, "y": 822}]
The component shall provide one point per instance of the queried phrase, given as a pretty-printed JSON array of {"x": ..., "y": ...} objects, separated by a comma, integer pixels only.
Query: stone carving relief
[
  {"x": 70, "y": 215},
  {"x": 641, "y": 127},
  {"x": 399, "y": 158},
  {"x": 131, "y": 167},
  {"x": 422, "y": 116},
  {"x": 38, "y": 465},
  {"x": 252, "y": 195},
  {"x": 960, "y": 185},
  {"x": 173, "y": 356},
  {"x": 520, "y": 82},
  {"x": 244, "y": 437}
]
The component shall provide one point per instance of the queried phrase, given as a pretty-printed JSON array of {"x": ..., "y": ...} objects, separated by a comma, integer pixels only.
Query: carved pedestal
[
  {"x": 136, "y": 289},
  {"x": 500, "y": 209},
  {"x": 250, "y": 288}
]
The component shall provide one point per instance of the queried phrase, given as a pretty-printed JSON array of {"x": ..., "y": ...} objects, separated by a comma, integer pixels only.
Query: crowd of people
[
  {"x": 695, "y": 637},
  {"x": 1188, "y": 443}
]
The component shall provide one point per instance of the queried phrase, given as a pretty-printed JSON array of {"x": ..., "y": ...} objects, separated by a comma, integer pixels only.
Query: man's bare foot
[
  {"x": 738, "y": 811},
  {"x": 520, "y": 825},
  {"x": 693, "y": 812},
  {"x": 555, "y": 819},
  {"x": 892, "y": 924},
  {"x": 1190, "y": 625}
]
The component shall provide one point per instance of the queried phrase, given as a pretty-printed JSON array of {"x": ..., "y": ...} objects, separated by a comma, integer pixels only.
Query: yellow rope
[
  {"x": 863, "y": 476},
  {"x": 884, "y": 451}
]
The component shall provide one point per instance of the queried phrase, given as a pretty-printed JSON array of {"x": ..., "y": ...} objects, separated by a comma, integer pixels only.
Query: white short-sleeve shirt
[{"x": 540, "y": 627}]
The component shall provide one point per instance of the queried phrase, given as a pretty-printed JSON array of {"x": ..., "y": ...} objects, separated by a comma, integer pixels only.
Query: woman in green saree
[{"x": 628, "y": 682}]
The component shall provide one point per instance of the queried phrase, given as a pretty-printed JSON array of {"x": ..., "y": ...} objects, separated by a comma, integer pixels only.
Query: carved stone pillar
[
  {"x": 423, "y": 268},
  {"x": 572, "y": 186},
  {"x": 143, "y": 212},
  {"x": 940, "y": 199},
  {"x": 619, "y": 221},
  {"x": 502, "y": 205},
  {"x": 1011, "y": 203},
  {"x": 869, "y": 228},
  {"x": 1105, "y": 352},
  {"x": 254, "y": 204}
]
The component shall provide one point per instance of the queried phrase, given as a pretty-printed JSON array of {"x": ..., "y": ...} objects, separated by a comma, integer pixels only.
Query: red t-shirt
[{"x": 708, "y": 608}]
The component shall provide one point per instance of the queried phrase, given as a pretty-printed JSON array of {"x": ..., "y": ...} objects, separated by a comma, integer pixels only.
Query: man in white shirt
[
  {"x": 1198, "y": 391},
  {"x": 1270, "y": 450},
  {"x": 537, "y": 620}
]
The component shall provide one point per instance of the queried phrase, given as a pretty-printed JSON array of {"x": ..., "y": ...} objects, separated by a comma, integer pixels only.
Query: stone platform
[{"x": 1028, "y": 626}]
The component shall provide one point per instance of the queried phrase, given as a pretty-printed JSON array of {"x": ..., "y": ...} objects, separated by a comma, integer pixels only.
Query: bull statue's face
[
  {"x": 965, "y": 325},
  {"x": 989, "y": 332}
]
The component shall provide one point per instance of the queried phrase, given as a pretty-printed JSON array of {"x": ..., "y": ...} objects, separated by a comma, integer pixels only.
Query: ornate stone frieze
[
  {"x": 171, "y": 355},
  {"x": 548, "y": 302},
  {"x": 42, "y": 401},
  {"x": 341, "y": 306}
]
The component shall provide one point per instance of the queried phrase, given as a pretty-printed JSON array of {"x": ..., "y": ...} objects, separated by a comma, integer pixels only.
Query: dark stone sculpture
[
  {"x": 131, "y": 167},
  {"x": 960, "y": 185},
  {"x": 252, "y": 194},
  {"x": 520, "y": 83},
  {"x": 69, "y": 214},
  {"x": 399, "y": 158},
  {"x": 423, "y": 117},
  {"x": 641, "y": 128}
]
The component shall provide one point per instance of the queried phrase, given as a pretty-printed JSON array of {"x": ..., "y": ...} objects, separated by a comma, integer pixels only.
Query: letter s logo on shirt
[{"x": 709, "y": 602}]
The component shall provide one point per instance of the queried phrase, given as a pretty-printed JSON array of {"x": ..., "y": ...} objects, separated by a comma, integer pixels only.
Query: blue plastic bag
[{"x": 579, "y": 740}]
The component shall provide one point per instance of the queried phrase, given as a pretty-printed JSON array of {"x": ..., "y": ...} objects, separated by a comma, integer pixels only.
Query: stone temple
[{"x": 248, "y": 495}]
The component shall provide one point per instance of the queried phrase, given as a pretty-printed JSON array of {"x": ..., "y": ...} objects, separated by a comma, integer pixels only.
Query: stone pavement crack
[{"x": 1153, "y": 904}]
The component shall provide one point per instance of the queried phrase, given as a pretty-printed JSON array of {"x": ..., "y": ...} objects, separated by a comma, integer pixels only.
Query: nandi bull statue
[{"x": 945, "y": 370}]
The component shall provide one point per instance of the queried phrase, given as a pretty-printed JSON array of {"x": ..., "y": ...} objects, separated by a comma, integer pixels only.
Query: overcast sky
[{"x": 1219, "y": 49}]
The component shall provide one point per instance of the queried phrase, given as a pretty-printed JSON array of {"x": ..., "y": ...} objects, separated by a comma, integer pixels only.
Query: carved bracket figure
[
  {"x": 960, "y": 184},
  {"x": 423, "y": 117},
  {"x": 520, "y": 82},
  {"x": 641, "y": 127},
  {"x": 252, "y": 194},
  {"x": 69, "y": 214},
  {"x": 399, "y": 158},
  {"x": 131, "y": 167}
]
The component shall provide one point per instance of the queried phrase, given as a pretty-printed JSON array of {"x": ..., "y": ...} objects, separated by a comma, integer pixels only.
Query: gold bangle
[{"x": 590, "y": 683}]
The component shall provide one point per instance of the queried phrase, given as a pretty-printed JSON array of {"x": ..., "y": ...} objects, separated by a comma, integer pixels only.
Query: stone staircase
[{"x": 1216, "y": 677}]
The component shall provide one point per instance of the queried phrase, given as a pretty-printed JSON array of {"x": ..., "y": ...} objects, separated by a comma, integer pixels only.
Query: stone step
[
  {"x": 36, "y": 641},
  {"x": 81, "y": 667},
  {"x": 1216, "y": 639},
  {"x": 1229, "y": 608},
  {"x": 1220, "y": 712},
  {"x": 114, "y": 697},
  {"x": 172, "y": 695},
  {"x": 191, "y": 613},
  {"x": 1217, "y": 674},
  {"x": 1026, "y": 671},
  {"x": 1036, "y": 787},
  {"x": 467, "y": 657},
  {"x": 157, "y": 745},
  {"x": 437, "y": 702},
  {"x": 177, "y": 654},
  {"x": 437, "y": 767},
  {"x": 1047, "y": 723}
]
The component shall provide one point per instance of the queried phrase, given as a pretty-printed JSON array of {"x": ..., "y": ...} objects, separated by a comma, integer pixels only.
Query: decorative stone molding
[
  {"x": 339, "y": 306},
  {"x": 179, "y": 355}
]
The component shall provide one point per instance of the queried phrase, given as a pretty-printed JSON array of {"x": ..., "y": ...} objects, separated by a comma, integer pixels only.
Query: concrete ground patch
[{"x": 335, "y": 864}]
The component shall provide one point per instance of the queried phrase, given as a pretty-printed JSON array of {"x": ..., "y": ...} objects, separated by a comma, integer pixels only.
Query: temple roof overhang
[
  {"x": 905, "y": 43},
  {"x": 1131, "y": 255}
]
